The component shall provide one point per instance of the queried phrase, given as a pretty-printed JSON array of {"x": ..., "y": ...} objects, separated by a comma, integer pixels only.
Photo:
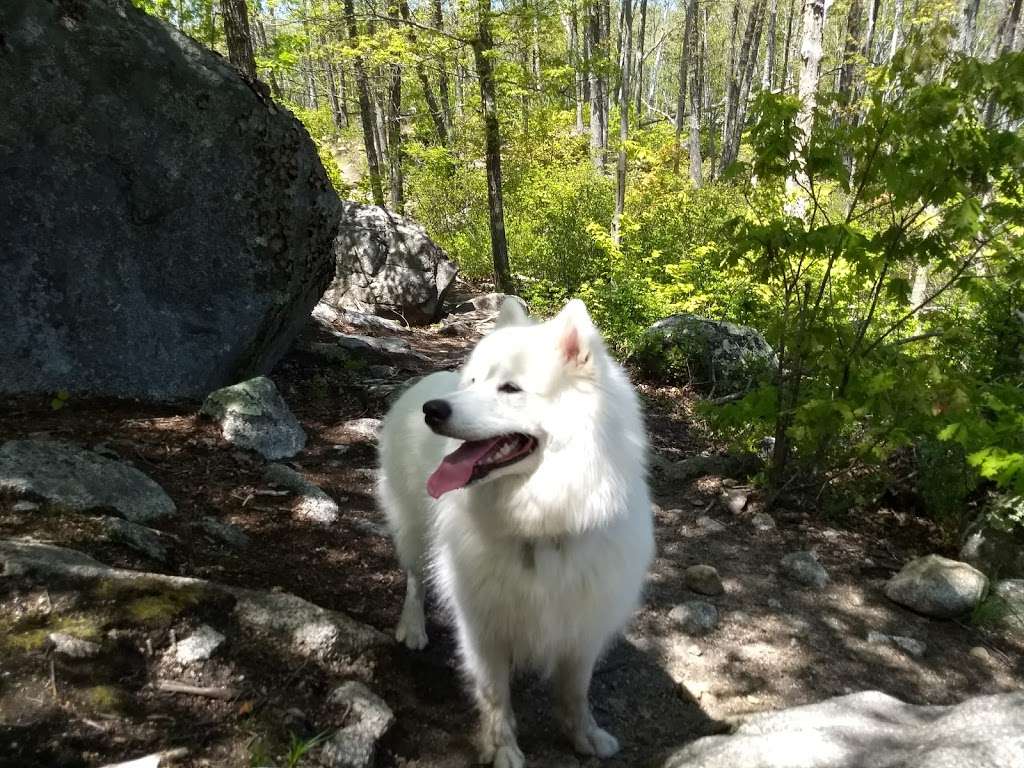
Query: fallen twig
[{"x": 173, "y": 686}]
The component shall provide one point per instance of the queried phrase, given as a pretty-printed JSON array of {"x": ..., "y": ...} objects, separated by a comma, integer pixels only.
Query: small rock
[
  {"x": 774, "y": 604},
  {"x": 734, "y": 499},
  {"x": 369, "y": 717},
  {"x": 140, "y": 538},
  {"x": 72, "y": 647},
  {"x": 313, "y": 504},
  {"x": 382, "y": 371},
  {"x": 695, "y": 617},
  {"x": 25, "y": 506},
  {"x": 253, "y": 415},
  {"x": 980, "y": 653},
  {"x": 805, "y": 568},
  {"x": 709, "y": 524},
  {"x": 762, "y": 521},
  {"x": 367, "y": 428},
  {"x": 229, "y": 534},
  {"x": 340, "y": 450},
  {"x": 909, "y": 645},
  {"x": 198, "y": 646},
  {"x": 704, "y": 580},
  {"x": 694, "y": 650},
  {"x": 936, "y": 586}
]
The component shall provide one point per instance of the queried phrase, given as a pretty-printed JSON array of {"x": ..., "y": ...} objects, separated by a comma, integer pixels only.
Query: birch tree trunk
[
  {"x": 894, "y": 40},
  {"x": 696, "y": 86},
  {"x": 483, "y": 47},
  {"x": 810, "y": 72},
  {"x": 640, "y": 44},
  {"x": 624, "y": 99},
  {"x": 366, "y": 112},
  {"x": 731, "y": 89},
  {"x": 767, "y": 77},
  {"x": 874, "y": 8},
  {"x": 968, "y": 27}
]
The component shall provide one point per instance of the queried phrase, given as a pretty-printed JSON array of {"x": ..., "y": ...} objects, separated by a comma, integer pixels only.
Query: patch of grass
[
  {"x": 150, "y": 602},
  {"x": 990, "y": 612},
  {"x": 31, "y": 635},
  {"x": 298, "y": 747},
  {"x": 104, "y": 698}
]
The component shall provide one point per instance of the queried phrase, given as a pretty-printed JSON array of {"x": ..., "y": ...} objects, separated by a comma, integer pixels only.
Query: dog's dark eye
[{"x": 509, "y": 388}]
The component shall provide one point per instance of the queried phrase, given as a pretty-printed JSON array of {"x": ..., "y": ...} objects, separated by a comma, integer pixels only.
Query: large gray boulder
[
  {"x": 712, "y": 355},
  {"x": 76, "y": 479},
  {"x": 387, "y": 265},
  {"x": 870, "y": 730},
  {"x": 937, "y": 586},
  {"x": 166, "y": 228}
]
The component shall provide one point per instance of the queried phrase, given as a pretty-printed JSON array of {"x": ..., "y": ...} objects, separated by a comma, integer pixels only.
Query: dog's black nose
[{"x": 436, "y": 411}]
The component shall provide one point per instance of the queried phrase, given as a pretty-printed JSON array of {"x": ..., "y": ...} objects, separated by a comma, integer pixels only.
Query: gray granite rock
[
  {"x": 253, "y": 415},
  {"x": 79, "y": 480},
  {"x": 938, "y": 587},
  {"x": 870, "y": 730}
]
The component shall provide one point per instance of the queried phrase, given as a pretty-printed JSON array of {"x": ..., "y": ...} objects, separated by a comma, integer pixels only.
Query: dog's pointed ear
[
  {"x": 577, "y": 337},
  {"x": 512, "y": 313}
]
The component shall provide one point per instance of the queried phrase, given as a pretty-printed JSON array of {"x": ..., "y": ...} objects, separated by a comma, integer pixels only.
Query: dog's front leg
[
  {"x": 490, "y": 668},
  {"x": 572, "y": 682}
]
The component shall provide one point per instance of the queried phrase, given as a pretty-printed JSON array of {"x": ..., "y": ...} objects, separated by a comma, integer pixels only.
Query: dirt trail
[{"x": 778, "y": 643}]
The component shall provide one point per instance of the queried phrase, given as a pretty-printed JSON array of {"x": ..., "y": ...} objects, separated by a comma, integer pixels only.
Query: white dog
[{"x": 520, "y": 483}]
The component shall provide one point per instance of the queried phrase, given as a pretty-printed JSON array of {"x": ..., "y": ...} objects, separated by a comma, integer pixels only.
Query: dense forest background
[{"x": 845, "y": 177}]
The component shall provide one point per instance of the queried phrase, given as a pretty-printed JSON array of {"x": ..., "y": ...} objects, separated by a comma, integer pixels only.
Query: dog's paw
[
  {"x": 412, "y": 633},
  {"x": 595, "y": 741},
  {"x": 508, "y": 757}
]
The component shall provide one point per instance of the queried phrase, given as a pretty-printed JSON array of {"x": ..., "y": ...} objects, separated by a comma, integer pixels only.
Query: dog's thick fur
[{"x": 540, "y": 562}]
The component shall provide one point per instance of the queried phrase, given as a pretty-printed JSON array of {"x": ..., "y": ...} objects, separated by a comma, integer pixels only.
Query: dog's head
[{"x": 520, "y": 393}]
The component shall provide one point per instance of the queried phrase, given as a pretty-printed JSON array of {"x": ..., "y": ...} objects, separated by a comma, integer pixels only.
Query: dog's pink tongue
[{"x": 456, "y": 468}]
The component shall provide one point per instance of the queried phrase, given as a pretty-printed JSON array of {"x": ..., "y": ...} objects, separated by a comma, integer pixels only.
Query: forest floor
[{"x": 778, "y": 643}]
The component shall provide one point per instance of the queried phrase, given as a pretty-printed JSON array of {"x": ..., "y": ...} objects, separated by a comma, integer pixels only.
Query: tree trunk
[
  {"x": 483, "y": 46},
  {"x": 366, "y": 112},
  {"x": 731, "y": 88},
  {"x": 238, "y": 37},
  {"x": 624, "y": 99},
  {"x": 1006, "y": 39},
  {"x": 810, "y": 72},
  {"x": 968, "y": 27},
  {"x": 894, "y": 41},
  {"x": 874, "y": 8},
  {"x": 261, "y": 33},
  {"x": 850, "y": 51},
  {"x": 641, "y": 42},
  {"x": 572, "y": 27},
  {"x": 433, "y": 107},
  {"x": 696, "y": 82},
  {"x": 767, "y": 82},
  {"x": 740, "y": 86},
  {"x": 652, "y": 88},
  {"x": 437, "y": 18},
  {"x": 394, "y": 113},
  {"x": 596, "y": 58},
  {"x": 786, "y": 48},
  {"x": 684, "y": 63}
]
